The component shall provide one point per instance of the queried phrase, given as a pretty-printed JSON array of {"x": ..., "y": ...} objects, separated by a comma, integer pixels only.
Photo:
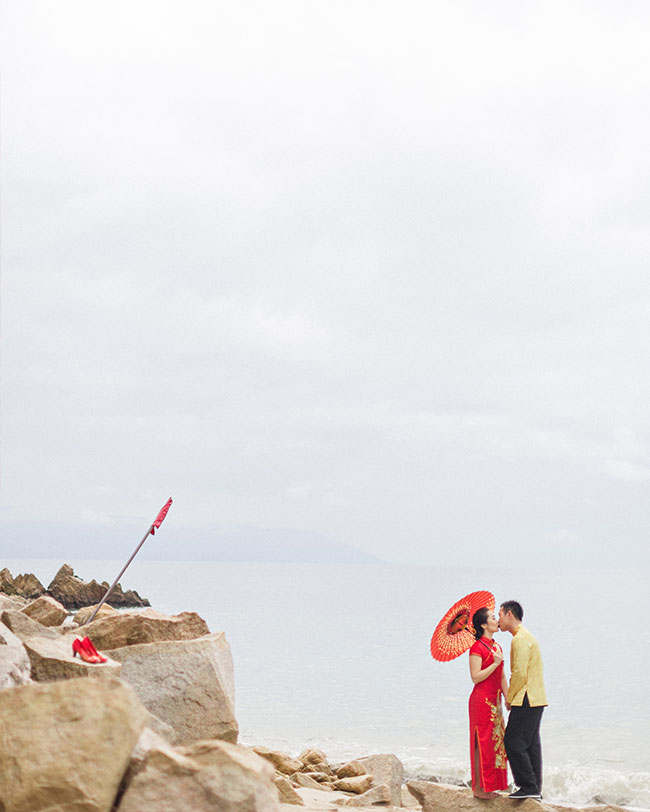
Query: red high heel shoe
[
  {"x": 90, "y": 649},
  {"x": 78, "y": 648}
]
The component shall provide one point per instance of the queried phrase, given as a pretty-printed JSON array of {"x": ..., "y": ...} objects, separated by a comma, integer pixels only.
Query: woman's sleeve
[{"x": 477, "y": 649}]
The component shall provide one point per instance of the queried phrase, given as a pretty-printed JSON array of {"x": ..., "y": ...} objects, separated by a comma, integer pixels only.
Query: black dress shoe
[{"x": 525, "y": 793}]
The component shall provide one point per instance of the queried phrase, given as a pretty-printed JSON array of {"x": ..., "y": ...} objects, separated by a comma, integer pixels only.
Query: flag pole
[{"x": 152, "y": 530}]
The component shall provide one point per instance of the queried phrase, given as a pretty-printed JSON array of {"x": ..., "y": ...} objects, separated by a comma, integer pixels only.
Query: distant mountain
[{"x": 171, "y": 543}]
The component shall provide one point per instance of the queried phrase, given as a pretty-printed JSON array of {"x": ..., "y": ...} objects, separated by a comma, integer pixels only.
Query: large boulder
[
  {"x": 434, "y": 797},
  {"x": 210, "y": 776},
  {"x": 73, "y": 592},
  {"x": 22, "y": 586},
  {"x": 29, "y": 586},
  {"x": 15, "y": 668},
  {"x": 65, "y": 745},
  {"x": 50, "y": 653},
  {"x": 387, "y": 769},
  {"x": 149, "y": 626},
  {"x": 7, "y": 584},
  {"x": 46, "y": 611},
  {"x": 189, "y": 684}
]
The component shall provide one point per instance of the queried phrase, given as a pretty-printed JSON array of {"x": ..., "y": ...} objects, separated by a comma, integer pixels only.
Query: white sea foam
[
  {"x": 579, "y": 786},
  {"x": 571, "y": 785}
]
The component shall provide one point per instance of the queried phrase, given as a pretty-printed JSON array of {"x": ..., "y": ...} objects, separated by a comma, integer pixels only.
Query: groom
[{"x": 526, "y": 701}]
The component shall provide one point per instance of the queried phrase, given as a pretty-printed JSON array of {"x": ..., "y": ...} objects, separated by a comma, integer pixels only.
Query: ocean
[{"x": 337, "y": 657}]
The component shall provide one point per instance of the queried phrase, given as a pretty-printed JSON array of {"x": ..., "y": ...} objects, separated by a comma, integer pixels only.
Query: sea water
[{"x": 337, "y": 657}]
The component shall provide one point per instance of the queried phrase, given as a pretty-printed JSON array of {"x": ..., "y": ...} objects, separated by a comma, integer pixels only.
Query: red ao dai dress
[{"x": 486, "y": 722}]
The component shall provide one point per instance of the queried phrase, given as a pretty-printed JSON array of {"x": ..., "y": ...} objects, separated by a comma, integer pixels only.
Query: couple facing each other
[{"x": 490, "y": 746}]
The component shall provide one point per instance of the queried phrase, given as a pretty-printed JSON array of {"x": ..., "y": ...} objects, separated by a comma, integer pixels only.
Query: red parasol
[
  {"x": 161, "y": 515},
  {"x": 455, "y": 633}
]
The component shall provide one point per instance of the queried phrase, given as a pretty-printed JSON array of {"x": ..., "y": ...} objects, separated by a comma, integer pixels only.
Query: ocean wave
[
  {"x": 570, "y": 785},
  {"x": 580, "y": 786}
]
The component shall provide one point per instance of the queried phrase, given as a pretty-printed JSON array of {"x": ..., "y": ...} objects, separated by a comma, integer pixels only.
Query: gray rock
[
  {"x": 66, "y": 745},
  {"x": 189, "y": 684}
]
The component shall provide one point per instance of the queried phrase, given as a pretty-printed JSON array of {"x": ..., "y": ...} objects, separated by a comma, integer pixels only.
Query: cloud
[
  {"x": 626, "y": 471},
  {"x": 300, "y": 491},
  {"x": 90, "y": 517},
  {"x": 563, "y": 538}
]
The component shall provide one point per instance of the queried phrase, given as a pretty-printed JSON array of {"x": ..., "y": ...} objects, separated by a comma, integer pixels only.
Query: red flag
[{"x": 159, "y": 518}]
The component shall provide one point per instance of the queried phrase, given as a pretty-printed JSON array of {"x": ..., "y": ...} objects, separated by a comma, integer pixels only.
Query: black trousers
[{"x": 524, "y": 746}]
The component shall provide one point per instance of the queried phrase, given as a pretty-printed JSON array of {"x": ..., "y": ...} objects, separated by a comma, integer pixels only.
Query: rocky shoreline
[
  {"x": 153, "y": 729},
  {"x": 68, "y": 589}
]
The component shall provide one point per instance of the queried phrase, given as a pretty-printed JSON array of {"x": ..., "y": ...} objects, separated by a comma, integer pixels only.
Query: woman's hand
[{"x": 479, "y": 674}]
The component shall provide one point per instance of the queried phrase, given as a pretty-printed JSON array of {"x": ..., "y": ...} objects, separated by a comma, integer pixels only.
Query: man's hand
[{"x": 508, "y": 705}]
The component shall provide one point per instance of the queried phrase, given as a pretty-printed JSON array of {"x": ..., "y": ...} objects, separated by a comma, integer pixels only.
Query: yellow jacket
[{"x": 526, "y": 670}]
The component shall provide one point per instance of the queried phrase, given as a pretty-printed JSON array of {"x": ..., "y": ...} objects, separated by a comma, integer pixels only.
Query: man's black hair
[{"x": 514, "y": 607}]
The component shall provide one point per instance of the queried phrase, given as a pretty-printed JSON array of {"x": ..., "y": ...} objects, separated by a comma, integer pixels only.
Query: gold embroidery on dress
[{"x": 500, "y": 758}]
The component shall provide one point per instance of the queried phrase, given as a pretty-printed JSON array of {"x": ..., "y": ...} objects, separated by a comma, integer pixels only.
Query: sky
[{"x": 365, "y": 275}]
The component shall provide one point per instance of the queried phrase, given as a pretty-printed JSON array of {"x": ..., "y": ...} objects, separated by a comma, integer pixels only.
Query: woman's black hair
[{"x": 478, "y": 619}]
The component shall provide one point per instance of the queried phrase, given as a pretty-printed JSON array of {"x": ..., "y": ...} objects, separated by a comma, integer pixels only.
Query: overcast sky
[{"x": 373, "y": 272}]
